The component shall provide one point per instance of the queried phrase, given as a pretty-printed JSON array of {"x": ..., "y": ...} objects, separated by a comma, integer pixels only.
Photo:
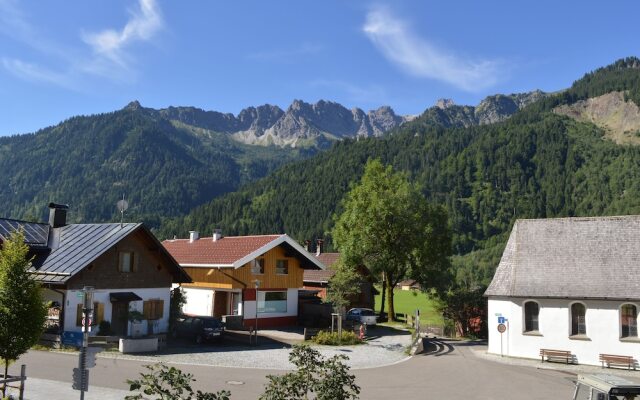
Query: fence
[{"x": 10, "y": 379}]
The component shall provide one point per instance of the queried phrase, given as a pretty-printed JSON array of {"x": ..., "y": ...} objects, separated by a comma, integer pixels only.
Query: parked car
[
  {"x": 199, "y": 329},
  {"x": 363, "y": 316}
]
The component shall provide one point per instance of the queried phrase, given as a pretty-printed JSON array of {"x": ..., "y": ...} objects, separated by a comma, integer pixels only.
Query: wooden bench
[
  {"x": 614, "y": 359},
  {"x": 556, "y": 355}
]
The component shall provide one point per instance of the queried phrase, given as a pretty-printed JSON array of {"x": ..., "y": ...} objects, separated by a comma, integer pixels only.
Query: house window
[
  {"x": 153, "y": 309},
  {"x": 629, "y": 321},
  {"x": 578, "y": 320},
  {"x": 272, "y": 302},
  {"x": 531, "y": 311},
  {"x": 258, "y": 268},
  {"x": 126, "y": 263},
  {"x": 282, "y": 267}
]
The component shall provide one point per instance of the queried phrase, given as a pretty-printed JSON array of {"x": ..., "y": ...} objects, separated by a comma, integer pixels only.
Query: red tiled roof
[
  {"x": 328, "y": 259},
  {"x": 222, "y": 252}
]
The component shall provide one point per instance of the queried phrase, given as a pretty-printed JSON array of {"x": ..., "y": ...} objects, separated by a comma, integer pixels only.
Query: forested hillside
[
  {"x": 535, "y": 164},
  {"x": 164, "y": 169}
]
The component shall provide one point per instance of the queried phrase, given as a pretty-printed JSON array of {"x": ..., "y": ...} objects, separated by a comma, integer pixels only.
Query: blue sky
[{"x": 65, "y": 58}]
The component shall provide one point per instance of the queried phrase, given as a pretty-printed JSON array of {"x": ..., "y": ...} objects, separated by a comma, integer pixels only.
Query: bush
[
  {"x": 332, "y": 338},
  {"x": 104, "y": 328}
]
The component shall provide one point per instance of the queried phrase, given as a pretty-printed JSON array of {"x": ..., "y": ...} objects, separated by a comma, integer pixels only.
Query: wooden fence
[{"x": 5, "y": 380}]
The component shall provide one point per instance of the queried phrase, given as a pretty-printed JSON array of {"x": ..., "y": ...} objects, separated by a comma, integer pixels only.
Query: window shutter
[
  {"x": 79, "y": 315},
  {"x": 159, "y": 309},
  {"x": 147, "y": 309},
  {"x": 98, "y": 313}
]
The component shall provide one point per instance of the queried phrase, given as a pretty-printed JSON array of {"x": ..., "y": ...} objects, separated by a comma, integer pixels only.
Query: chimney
[
  {"x": 193, "y": 236},
  {"x": 319, "y": 246},
  {"x": 57, "y": 215},
  {"x": 307, "y": 245},
  {"x": 217, "y": 234}
]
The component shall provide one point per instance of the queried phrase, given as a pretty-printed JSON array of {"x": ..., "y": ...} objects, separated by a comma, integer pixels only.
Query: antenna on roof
[{"x": 122, "y": 207}]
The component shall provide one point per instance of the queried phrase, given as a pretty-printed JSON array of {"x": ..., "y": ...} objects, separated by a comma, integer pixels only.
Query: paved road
[{"x": 446, "y": 370}]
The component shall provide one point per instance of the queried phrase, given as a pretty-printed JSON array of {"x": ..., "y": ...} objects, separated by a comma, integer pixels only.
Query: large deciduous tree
[
  {"x": 388, "y": 226},
  {"x": 22, "y": 311}
]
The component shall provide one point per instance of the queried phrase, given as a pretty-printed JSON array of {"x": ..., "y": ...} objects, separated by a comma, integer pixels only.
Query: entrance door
[{"x": 119, "y": 317}]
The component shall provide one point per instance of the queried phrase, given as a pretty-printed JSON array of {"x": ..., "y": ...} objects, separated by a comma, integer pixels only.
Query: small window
[
  {"x": 282, "y": 267},
  {"x": 259, "y": 266},
  {"x": 578, "y": 319},
  {"x": 629, "y": 321},
  {"x": 153, "y": 309},
  {"x": 531, "y": 312},
  {"x": 126, "y": 261}
]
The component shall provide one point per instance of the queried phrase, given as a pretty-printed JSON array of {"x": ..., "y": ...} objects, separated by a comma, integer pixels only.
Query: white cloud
[
  {"x": 33, "y": 72},
  {"x": 108, "y": 59},
  {"x": 142, "y": 26},
  {"x": 421, "y": 58}
]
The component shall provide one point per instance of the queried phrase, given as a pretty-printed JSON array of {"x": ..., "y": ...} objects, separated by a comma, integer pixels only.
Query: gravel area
[{"x": 384, "y": 346}]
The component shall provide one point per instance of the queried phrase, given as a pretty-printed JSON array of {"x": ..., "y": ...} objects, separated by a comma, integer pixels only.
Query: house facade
[
  {"x": 568, "y": 284},
  {"x": 124, "y": 263},
  {"x": 249, "y": 277}
]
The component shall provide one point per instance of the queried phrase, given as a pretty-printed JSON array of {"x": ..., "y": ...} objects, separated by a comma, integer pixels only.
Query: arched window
[
  {"x": 578, "y": 320},
  {"x": 628, "y": 321},
  {"x": 531, "y": 311}
]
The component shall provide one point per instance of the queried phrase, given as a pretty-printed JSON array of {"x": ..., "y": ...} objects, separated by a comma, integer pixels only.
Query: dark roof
[
  {"x": 123, "y": 296},
  {"x": 35, "y": 234},
  {"x": 328, "y": 259},
  {"x": 74, "y": 247},
  {"x": 571, "y": 258},
  {"x": 318, "y": 276}
]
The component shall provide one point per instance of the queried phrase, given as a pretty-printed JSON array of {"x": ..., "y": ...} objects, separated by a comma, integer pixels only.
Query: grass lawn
[{"x": 407, "y": 301}]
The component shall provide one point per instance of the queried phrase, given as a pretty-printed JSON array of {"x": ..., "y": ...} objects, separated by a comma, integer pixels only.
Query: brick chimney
[
  {"x": 217, "y": 234},
  {"x": 58, "y": 215},
  {"x": 193, "y": 236},
  {"x": 307, "y": 245},
  {"x": 319, "y": 246}
]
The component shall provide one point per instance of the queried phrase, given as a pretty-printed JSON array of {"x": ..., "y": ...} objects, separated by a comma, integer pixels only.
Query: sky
[{"x": 60, "y": 59}]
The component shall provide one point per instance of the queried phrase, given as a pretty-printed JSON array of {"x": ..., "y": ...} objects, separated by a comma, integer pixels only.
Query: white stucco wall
[
  {"x": 198, "y": 301},
  {"x": 102, "y": 296},
  {"x": 292, "y": 307},
  {"x": 602, "y": 325}
]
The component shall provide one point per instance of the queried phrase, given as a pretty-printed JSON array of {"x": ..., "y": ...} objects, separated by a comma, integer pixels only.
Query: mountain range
[
  {"x": 555, "y": 157},
  {"x": 168, "y": 161}
]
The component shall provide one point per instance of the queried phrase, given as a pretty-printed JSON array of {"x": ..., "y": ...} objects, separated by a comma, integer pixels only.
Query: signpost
[
  {"x": 81, "y": 374},
  {"x": 502, "y": 329}
]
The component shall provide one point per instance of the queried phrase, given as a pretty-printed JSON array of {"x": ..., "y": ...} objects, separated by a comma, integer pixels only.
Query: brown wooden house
[{"x": 125, "y": 264}]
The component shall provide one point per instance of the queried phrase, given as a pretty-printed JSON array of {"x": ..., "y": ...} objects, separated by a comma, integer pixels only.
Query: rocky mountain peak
[
  {"x": 133, "y": 106},
  {"x": 443, "y": 104}
]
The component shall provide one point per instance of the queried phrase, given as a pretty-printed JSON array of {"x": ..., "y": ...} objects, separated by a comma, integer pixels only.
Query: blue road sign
[
  {"x": 501, "y": 320},
  {"x": 72, "y": 338}
]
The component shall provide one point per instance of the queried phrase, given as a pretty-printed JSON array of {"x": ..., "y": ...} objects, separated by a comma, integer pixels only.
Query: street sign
[
  {"x": 502, "y": 328},
  {"x": 71, "y": 338},
  {"x": 501, "y": 320}
]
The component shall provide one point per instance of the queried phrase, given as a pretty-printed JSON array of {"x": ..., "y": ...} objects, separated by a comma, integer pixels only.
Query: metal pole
[{"x": 23, "y": 377}]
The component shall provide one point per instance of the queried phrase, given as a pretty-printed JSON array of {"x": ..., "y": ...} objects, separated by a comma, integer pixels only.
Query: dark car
[{"x": 199, "y": 328}]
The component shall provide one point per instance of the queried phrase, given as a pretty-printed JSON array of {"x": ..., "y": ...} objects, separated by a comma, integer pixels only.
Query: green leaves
[
  {"x": 169, "y": 383},
  {"x": 315, "y": 377},
  {"x": 22, "y": 309}
]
